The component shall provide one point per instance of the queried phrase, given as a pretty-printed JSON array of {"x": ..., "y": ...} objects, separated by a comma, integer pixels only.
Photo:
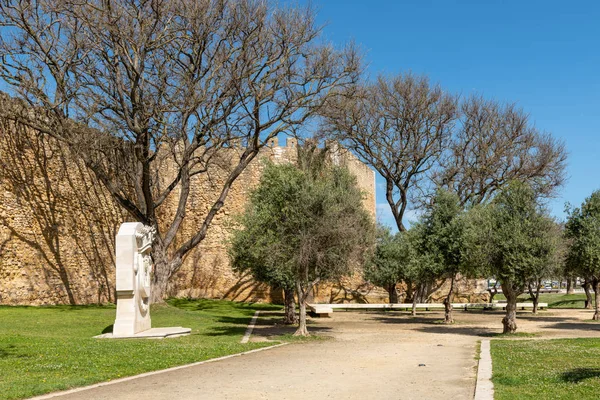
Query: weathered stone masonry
[{"x": 58, "y": 226}]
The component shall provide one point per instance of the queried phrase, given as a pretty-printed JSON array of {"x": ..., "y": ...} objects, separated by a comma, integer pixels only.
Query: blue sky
[{"x": 542, "y": 55}]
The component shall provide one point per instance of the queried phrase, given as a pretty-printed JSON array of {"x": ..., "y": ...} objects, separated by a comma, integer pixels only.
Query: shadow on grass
[
  {"x": 474, "y": 331},
  {"x": 577, "y": 375},
  {"x": 216, "y": 305},
  {"x": 244, "y": 321},
  {"x": 264, "y": 327},
  {"x": 435, "y": 325},
  {"x": 12, "y": 351},
  {"x": 226, "y": 331},
  {"x": 108, "y": 329},
  {"x": 564, "y": 303}
]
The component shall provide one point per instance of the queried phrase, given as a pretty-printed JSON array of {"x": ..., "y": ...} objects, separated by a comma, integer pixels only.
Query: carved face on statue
[
  {"x": 143, "y": 275},
  {"x": 143, "y": 268}
]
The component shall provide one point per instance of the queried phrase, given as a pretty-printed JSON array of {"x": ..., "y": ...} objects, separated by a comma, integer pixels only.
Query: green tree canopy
[
  {"x": 441, "y": 237},
  {"x": 583, "y": 232},
  {"x": 512, "y": 238},
  {"x": 303, "y": 224},
  {"x": 391, "y": 262}
]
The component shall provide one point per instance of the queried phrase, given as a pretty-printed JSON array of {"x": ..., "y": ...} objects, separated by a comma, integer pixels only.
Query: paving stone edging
[
  {"x": 484, "y": 388},
  {"x": 145, "y": 374}
]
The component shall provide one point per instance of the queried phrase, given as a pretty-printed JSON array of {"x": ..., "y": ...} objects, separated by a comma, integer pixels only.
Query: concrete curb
[
  {"x": 145, "y": 374},
  {"x": 250, "y": 328},
  {"x": 484, "y": 388}
]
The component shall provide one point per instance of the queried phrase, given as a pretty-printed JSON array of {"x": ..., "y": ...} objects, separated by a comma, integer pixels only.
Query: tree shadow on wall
[
  {"x": 201, "y": 278},
  {"x": 342, "y": 294},
  {"x": 246, "y": 289},
  {"x": 207, "y": 274},
  {"x": 65, "y": 208},
  {"x": 4, "y": 244}
]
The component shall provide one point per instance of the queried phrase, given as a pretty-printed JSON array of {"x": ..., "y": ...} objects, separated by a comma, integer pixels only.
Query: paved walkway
[{"x": 371, "y": 356}]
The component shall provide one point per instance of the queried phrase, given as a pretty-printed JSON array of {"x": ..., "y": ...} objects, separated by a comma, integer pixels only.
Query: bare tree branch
[{"x": 130, "y": 86}]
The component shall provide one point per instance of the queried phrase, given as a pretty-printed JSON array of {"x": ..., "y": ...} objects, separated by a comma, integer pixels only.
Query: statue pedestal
[
  {"x": 152, "y": 333},
  {"x": 134, "y": 274}
]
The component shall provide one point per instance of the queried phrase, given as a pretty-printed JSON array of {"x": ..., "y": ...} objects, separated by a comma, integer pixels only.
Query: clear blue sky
[{"x": 543, "y": 55}]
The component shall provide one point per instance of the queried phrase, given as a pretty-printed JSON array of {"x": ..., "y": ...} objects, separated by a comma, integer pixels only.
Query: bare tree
[
  {"x": 419, "y": 138},
  {"x": 400, "y": 126},
  {"x": 495, "y": 144},
  {"x": 131, "y": 85}
]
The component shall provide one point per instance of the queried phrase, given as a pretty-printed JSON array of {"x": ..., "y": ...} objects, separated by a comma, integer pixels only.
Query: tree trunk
[
  {"x": 596, "y": 284},
  {"x": 415, "y": 299},
  {"x": 409, "y": 291},
  {"x": 448, "y": 317},
  {"x": 161, "y": 273},
  {"x": 290, "y": 307},
  {"x": 392, "y": 294},
  {"x": 510, "y": 319},
  {"x": 570, "y": 286},
  {"x": 160, "y": 282},
  {"x": 588, "y": 295},
  {"x": 536, "y": 298},
  {"x": 493, "y": 292},
  {"x": 301, "y": 331},
  {"x": 531, "y": 292},
  {"x": 534, "y": 295}
]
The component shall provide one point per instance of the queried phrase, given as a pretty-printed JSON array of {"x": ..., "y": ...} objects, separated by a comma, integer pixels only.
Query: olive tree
[
  {"x": 552, "y": 265},
  {"x": 148, "y": 94},
  {"x": 424, "y": 267},
  {"x": 442, "y": 237},
  {"x": 583, "y": 231},
  {"x": 511, "y": 236},
  {"x": 246, "y": 255},
  {"x": 390, "y": 262},
  {"x": 306, "y": 223}
]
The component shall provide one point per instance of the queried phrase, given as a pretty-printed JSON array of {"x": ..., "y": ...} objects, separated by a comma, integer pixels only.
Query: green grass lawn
[
  {"x": 546, "y": 369},
  {"x": 554, "y": 300},
  {"x": 44, "y": 349}
]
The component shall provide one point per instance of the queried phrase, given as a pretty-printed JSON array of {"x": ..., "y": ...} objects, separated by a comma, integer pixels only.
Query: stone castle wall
[
  {"x": 58, "y": 226},
  {"x": 206, "y": 271}
]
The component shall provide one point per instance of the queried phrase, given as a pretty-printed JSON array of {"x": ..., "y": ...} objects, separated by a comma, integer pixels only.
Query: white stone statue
[
  {"x": 134, "y": 273},
  {"x": 134, "y": 277}
]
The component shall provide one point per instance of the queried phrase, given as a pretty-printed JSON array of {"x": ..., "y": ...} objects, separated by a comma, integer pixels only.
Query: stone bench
[
  {"x": 320, "y": 310},
  {"x": 325, "y": 310}
]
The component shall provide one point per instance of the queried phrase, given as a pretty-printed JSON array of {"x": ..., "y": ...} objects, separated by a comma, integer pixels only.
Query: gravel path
[{"x": 370, "y": 356}]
